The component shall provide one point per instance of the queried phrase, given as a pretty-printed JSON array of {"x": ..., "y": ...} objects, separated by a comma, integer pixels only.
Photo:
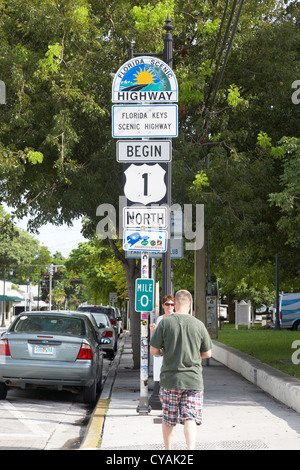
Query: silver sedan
[{"x": 51, "y": 349}]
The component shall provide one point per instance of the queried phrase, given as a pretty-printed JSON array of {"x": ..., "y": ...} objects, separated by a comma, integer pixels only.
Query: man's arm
[
  {"x": 155, "y": 351},
  {"x": 206, "y": 354}
]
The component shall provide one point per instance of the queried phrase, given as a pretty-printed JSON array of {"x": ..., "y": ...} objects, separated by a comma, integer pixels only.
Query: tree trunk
[{"x": 231, "y": 308}]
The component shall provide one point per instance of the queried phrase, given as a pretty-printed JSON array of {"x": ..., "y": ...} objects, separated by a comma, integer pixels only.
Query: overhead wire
[
  {"x": 228, "y": 50},
  {"x": 209, "y": 106},
  {"x": 221, "y": 49}
]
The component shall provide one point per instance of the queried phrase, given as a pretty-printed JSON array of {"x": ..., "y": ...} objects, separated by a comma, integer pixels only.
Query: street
[{"x": 44, "y": 419}]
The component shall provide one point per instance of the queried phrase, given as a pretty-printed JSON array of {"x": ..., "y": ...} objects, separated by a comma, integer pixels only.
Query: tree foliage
[
  {"x": 93, "y": 262},
  {"x": 57, "y": 157}
]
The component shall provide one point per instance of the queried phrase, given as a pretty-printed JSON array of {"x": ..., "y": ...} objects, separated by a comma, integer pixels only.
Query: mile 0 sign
[
  {"x": 144, "y": 79},
  {"x": 144, "y": 295}
]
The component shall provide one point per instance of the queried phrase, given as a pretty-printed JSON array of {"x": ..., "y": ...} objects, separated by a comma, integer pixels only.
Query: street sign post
[
  {"x": 113, "y": 297},
  {"x": 144, "y": 301},
  {"x": 147, "y": 88}
]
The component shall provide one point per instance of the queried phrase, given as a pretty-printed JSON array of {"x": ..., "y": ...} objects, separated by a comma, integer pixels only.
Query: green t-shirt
[{"x": 182, "y": 337}]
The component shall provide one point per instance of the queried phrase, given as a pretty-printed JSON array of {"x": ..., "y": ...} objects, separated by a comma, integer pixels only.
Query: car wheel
[
  {"x": 90, "y": 393},
  {"x": 110, "y": 354},
  {"x": 296, "y": 325},
  {"x": 3, "y": 391}
]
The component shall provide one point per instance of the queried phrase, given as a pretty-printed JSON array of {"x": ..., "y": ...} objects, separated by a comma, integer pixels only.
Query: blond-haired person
[{"x": 183, "y": 341}]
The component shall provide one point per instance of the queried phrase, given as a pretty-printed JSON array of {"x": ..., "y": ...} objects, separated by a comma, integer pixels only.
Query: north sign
[
  {"x": 145, "y": 121},
  {"x": 144, "y": 79},
  {"x": 153, "y": 218},
  {"x": 131, "y": 151}
]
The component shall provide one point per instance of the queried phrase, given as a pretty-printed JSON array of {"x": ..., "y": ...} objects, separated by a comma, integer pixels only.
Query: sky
[{"x": 56, "y": 238}]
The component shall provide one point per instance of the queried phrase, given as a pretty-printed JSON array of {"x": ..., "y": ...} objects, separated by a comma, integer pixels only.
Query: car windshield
[
  {"x": 101, "y": 320},
  {"x": 99, "y": 309},
  {"x": 50, "y": 325}
]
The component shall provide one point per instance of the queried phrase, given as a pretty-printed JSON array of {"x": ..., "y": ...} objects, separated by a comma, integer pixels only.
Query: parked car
[
  {"x": 223, "y": 311},
  {"x": 106, "y": 332},
  {"x": 108, "y": 335},
  {"x": 58, "y": 349},
  {"x": 259, "y": 312},
  {"x": 289, "y": 311},
  {"x": 110, "y": 312},
  {"x": 119, "y": 319}
]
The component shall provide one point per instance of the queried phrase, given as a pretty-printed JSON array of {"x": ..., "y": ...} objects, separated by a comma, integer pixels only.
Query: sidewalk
[{"x": 238, "y": 415}]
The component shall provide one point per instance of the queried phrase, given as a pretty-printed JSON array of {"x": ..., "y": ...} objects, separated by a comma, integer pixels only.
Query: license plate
[{"x": 43, "y": 349}]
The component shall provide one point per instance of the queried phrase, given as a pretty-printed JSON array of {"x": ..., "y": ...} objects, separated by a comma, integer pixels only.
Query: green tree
[
  {"x": 57, "y": 155},
  {"x": 288, "y": 199},
  {"x": 93, "y": 263},
  {"x": 250, "y": 191}
]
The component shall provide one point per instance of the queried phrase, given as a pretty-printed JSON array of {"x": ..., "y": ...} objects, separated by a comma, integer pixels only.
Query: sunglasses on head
[{"x": 168, "y": 304}]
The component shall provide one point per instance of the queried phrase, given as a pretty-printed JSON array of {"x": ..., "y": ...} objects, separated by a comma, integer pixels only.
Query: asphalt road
[{"x": 44, "y": 419}]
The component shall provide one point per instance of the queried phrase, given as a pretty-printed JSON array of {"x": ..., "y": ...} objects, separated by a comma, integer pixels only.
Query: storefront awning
[{"x": 9, "y": 298}]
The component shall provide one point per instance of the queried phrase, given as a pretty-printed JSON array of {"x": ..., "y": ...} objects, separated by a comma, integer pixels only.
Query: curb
[
  {"x": 279, "y": 385},
  {"x": 95, "y": 427}
]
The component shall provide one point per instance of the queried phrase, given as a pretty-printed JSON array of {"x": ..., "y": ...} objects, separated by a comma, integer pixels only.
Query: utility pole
[
  {"x": 277, "y": 321},
  {"x": 3, "y": 301},
  {"x": 166, "y": 257}
]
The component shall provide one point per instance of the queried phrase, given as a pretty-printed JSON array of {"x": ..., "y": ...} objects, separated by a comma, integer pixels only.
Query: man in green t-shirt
[{"x": 183, "y": 341}]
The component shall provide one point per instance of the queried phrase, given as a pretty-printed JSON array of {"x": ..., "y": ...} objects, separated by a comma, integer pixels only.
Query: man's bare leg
[
  {"x": 190, "y": 433},
  {"x": 168, "y": 432}
]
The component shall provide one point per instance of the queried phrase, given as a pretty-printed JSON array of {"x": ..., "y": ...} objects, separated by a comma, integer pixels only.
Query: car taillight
[
  {"x": 107, "y": 334},
  {"x": 4, "y": 348},
  {"x": 280, "y": 315},
  {"x": 85, "y": 352},
  {"x": 113, "y": 322}
]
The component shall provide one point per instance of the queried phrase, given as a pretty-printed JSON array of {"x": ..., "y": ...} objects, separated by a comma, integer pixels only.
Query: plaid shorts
[{"x": 186, "y": 403}]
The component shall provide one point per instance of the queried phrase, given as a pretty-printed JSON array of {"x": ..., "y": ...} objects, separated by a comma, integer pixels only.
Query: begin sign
[{"x": 131, "y": 151}]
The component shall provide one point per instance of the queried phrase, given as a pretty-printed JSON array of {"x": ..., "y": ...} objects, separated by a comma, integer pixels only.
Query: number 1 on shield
[{"x": 145, "y": 178}]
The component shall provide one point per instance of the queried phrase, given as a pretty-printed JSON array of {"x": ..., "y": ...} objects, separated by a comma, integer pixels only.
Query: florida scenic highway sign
[{"x": 144, "y": 79}]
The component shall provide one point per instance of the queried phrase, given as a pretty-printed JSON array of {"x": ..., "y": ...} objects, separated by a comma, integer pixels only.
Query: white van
[{"x": 289, "y": 311}]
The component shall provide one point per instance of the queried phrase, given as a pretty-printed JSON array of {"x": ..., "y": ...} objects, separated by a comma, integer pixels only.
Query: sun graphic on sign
[{"x": 143, "y": 77}]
